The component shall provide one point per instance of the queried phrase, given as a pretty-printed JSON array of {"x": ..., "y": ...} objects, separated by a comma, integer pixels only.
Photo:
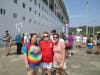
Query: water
[{"x": 2, "y": 44}]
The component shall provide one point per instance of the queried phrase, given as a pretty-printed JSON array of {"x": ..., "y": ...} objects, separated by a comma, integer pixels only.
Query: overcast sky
[{"x": 77, "y": 12}]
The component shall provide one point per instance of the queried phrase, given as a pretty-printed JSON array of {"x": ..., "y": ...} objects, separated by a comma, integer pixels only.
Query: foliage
[{"x": 90, "y": 29}]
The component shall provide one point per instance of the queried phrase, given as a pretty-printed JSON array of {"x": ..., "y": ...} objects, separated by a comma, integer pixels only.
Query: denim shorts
[
  {"x": 34, "y": 66},
  {"x": 71, "y": 47},
  {"x": 89, "y": 46}
]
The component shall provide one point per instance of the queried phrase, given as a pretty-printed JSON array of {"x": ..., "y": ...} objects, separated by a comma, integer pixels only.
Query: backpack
[
  {"x": 89, "y": 40},
  {"x": 67, "y": 44}
]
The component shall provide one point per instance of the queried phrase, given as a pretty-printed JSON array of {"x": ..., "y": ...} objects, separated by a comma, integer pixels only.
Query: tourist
[
  {"x": 7, "y": 39},
  {"x": 84, "y": 41},
  {"x": 26, "y": 38},
  {"x": 47, "y": 53},
  {"x": 59, "y": 55},
  {"x": 51, "y": 34},
  {"x": 18, "y": 40},
  {"x": 89, "y": 44},
  {"x": 70, "y": 39},
  {"x": 32, "y": 55},
  {"x": 78, "y": 40}
]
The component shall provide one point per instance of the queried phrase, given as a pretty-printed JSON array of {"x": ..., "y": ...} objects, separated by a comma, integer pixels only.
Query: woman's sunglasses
[
  {"x": 45, "y": 36},
  {"x": 55, "y": 37}
]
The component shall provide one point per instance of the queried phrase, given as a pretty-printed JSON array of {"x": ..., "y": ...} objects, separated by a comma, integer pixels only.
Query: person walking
[
  {"x": 59, "y": 55},
  {"x": 70, "y": 39},
  {"x": 47, "y": 53},
  {"x": 32, "y": 55}
]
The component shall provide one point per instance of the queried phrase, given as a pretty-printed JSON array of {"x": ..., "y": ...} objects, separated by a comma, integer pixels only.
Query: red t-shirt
[{"x": 47, "y": 51}]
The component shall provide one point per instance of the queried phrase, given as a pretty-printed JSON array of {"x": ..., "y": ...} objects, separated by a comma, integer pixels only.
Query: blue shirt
[{"x": 18, "y": 39}]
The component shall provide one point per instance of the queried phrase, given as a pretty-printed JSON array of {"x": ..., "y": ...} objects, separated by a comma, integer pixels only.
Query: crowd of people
[
  {"x": 88, "y": 41},
  {"x": 49, "y": 50}
]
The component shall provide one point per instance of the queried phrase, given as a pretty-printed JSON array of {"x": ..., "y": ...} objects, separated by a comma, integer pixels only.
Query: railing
[{"x": 54, "y": 18}]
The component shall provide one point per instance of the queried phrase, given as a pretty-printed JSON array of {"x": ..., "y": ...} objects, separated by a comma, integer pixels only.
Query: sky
[{"x": 76, "y": 10}]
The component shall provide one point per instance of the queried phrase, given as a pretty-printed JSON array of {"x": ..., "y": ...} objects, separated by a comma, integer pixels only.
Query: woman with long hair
[
  {"x": 32, "y": 55},
  {"x": 59, "y": 55}
]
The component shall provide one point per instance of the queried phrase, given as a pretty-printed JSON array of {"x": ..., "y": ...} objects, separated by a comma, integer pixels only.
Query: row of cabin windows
[
  {"x": 30, "y": 9},
  {"x": 2, "y": 11},
  {"x": 23, "y": 17},
  {"x": 16, "y": 1},
  {"x": 35, "y": 12}
]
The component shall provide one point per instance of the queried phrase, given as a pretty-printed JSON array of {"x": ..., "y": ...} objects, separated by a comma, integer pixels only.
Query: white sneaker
[{"x": 70, "y": 55}]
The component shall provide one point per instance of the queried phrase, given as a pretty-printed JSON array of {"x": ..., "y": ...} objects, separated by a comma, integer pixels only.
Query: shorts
[
  {"x": 67, "y": 48},
  {"x": 71, "y": 47},
  {"x": 34, "y": 66},
  {"x": 89, "y": 46},
  {"x": 8, "y": 44},
  {"x": 46, "y": 65},
  {"x": 56, "y": 65}
]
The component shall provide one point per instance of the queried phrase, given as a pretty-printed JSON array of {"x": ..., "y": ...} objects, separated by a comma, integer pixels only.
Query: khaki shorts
[{"x": 56, "y": 65}]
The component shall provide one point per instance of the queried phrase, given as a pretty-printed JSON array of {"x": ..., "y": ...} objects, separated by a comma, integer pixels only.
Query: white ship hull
[{"x": 33, "y": 17}]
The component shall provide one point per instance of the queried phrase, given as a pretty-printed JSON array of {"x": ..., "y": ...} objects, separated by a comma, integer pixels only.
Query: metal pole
[
  {"x": 93, "y": 30},
  {"x": 48, "y": 3},
  {"x": 54, "y": 6},
  {"x": 87, "y": 16}
]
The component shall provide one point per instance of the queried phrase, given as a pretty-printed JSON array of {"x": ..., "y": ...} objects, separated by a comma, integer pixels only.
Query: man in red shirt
[{"x": 47, "y": 53}]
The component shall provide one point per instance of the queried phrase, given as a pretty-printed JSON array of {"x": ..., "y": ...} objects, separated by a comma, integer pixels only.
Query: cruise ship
[{"x": 32, "y": 16}]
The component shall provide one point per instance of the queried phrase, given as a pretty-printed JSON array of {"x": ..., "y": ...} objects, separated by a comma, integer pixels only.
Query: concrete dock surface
[{"x": 78, "y": 64}]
